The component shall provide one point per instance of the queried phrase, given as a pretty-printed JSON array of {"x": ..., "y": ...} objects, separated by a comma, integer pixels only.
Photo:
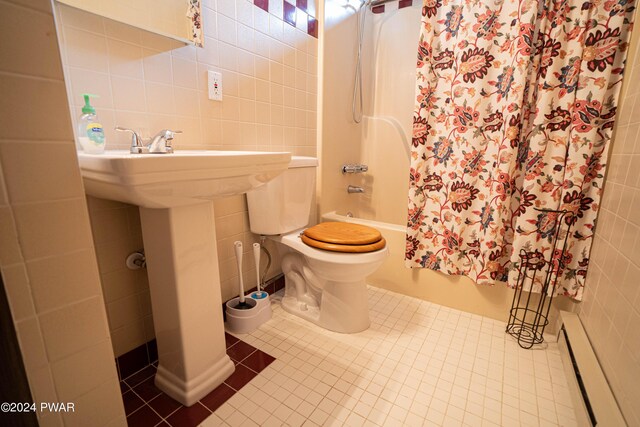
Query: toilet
[{"x": 324, "y": 283}]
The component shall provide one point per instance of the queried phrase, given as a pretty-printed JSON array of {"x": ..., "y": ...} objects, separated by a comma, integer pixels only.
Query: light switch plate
[{"x": 214, "y": 83}]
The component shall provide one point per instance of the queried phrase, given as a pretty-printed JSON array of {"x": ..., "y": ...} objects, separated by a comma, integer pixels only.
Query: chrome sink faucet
[{"x": 160, "y": 143}]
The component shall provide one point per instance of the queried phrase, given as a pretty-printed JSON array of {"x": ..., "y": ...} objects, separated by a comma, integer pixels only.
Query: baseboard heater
[{"x": 593, "y": 400}]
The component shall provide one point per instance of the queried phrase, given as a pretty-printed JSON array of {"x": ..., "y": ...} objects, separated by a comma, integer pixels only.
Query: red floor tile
[
  {"x": 139, "y": 388},
  {"x": 147, "y": 389},
  {"x": 143, "y": 417},
  {"x": 278, "y": 284},
  {"x": 152, "y": 349},
  {"x": 164, "y": 405},
  {"x": 230, "y": 339},
  {"x": 140, "y": 376},
  {"x": 240, "y": 350},
  {"x": 189, "y": 417},
  {"x": 217, "y": 397},
  {"x": 131, "y": 402},
  {"x": 132, "y": 361},
  {"x": 258, "y": 360},
  {"x": 240, "y": 377}
]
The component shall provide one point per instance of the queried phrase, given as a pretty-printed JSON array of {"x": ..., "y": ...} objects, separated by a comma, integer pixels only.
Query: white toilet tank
[{"x": 283, "y": 204}]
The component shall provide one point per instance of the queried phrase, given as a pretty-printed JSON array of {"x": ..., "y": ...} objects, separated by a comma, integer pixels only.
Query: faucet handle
[
  {"x": 136, "y": 141},
  {"x": 354, "y": 168},
  {"x": 161, "y": 143},
  {"x": 169, "y": 134},
  {"x": 133, "y": 132}
]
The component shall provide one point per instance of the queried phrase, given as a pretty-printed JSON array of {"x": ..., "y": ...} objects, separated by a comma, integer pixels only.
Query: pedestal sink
[{"x": 175, "y": 193}]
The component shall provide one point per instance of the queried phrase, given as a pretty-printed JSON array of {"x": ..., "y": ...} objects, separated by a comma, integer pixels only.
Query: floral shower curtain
[{"x": 515, "y": 107}]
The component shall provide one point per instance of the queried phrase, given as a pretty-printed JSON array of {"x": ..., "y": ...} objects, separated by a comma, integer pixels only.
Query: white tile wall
[
  {"x": 148, "y": 82},
  {"x": 610, "y": 310},
  {"x": 47, "y": 258}
]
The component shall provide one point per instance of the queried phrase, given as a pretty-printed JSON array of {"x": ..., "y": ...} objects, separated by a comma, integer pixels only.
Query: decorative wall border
[
  {"x": 292, "y": 12},
  {"x": 401, "y": 4}
]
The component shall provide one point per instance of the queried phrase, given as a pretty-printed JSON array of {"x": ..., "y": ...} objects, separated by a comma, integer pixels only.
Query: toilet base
[
  {"x": 292, "y": 305},
  {"x": 337, "y": 306},
  {"x": 314, "y": 315},
  {"x": 327, "y": 288}
]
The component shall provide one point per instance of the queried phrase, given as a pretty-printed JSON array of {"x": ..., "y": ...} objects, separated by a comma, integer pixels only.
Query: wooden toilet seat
[{"x": 343, "y": 237}]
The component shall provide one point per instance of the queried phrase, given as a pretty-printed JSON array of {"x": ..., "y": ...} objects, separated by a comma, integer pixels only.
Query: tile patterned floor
[
  {"x": 419, "y": 364},
  {"x": 145, "y": 405}
]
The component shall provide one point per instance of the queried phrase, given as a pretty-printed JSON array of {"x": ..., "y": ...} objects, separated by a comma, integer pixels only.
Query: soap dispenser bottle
[{"x": 90, "y": 131}]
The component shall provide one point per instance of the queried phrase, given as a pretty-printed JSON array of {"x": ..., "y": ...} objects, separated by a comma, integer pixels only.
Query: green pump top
[{"x": 88, "y": 108}]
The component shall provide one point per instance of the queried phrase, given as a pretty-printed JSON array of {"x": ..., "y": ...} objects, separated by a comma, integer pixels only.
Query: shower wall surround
[
  {"x": 149, "y": 82},
  {"x": 610, "y": 310},
  {"x": 47, "y": 257},
  {"x": 382, "y": 142}
]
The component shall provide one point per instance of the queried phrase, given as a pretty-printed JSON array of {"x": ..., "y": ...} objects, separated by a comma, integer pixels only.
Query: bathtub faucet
[{"x": 354, "y": 189}]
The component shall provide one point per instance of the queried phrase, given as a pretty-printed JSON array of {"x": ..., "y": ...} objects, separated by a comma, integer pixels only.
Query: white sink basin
[
  {"x": 174, "y": 192},
  {"x": 178, "y": 179}
]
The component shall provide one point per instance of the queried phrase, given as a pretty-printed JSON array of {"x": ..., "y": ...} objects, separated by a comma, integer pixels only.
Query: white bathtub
[{"x": 457, "y": 292}]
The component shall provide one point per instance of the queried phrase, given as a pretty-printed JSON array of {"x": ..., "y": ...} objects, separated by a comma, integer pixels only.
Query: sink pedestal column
[{"x": 182, "y": 263}]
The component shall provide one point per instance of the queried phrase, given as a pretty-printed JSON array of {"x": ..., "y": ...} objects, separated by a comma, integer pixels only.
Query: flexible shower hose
[{"x": 357, "y": 79}]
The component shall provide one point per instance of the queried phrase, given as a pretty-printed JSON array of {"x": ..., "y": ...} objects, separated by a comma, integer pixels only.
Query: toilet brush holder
[
  {"x": 264, "y": 304},
  {"x": 242, "y": 320},
  {"x": 247, "y": 320}
]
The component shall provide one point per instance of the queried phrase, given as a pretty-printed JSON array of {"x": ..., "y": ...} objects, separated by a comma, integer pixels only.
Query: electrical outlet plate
[{"x": 214, "y": 83}]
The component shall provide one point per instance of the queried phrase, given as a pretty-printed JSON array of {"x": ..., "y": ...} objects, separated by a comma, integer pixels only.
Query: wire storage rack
[{"x": 529, "y": 316}]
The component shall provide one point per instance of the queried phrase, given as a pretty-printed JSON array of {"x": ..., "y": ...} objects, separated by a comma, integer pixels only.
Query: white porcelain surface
[
  {"x": 327, "y": 288},
  {"x": 184, "y": 280},
  {"x": 287, "y": 199},
  {"x": 182, "y": 178},
  {"x": 174, "y": 192}
]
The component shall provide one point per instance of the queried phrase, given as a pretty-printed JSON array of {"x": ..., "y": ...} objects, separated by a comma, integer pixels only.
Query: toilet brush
[
  {"x": 256, "y": 256},
  {"x": 242, "y": 304}
]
